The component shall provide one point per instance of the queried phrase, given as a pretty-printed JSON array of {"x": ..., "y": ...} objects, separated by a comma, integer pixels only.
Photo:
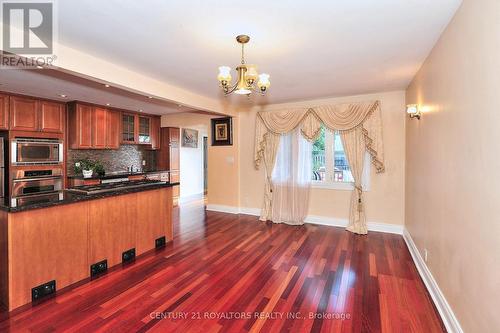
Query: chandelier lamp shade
[{"x": 249, "y": 79}]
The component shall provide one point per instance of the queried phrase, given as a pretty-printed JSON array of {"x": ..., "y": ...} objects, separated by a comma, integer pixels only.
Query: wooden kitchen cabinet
[
  {"x": 144, "y": 130},
  {"x": 169, "y": 156},
  {"x": 155, "y": 132},
  {"x": 29, "y": 114},
  {"x": 136, "y": 129},
  {"x": 23, "y": 114},
  {"x": 99, "y": 128},
  {"x": 113, "y": 129},
  {"x": 129, "y": 128},
  {"x": 91, "y": 127},
  {"x": 80, "y": 126},
  {"x": 4, "y": 111},
  {"x": 52, "y": 117}
]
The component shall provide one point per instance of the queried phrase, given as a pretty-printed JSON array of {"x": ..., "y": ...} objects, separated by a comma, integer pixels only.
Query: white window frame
[{"x": 329, "y": 183}]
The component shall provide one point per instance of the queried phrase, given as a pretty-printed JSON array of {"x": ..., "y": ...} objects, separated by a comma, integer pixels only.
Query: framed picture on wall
[
  {"x": 189, "y": 138},
  {"x": 222, "y": 131}
]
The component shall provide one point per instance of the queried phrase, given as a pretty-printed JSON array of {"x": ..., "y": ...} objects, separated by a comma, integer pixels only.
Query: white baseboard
[
  {"x": 191, "y": 197},
  {"x": 223, "y": 209},
  {"x": 312, "y": 219},
  {"x": 450, "y": 321}
]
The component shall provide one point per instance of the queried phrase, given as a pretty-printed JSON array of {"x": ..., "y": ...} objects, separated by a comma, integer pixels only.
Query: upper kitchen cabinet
[
  {"x": 99, "y": 128},
  {"x": 155, "y": 132},
  {"x": 80, "y": 126},
  {"x": 4, "y": 111},
  {"x": 144, "y": 130},
  {"x": 23, "y": 114},
  {"x": 129, "y": 128},
  {"x": 168, "y": 157},
  {"x": 138, "y": 129},
  {"x": 52, "y": 117},
  {"x": 91, "y": 127},
  {"x": 28, "y": 114},
  {"x": 113, "y": 129}
]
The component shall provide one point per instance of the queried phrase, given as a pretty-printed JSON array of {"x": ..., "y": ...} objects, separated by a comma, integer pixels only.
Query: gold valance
[{"x": 340, "y": 117}]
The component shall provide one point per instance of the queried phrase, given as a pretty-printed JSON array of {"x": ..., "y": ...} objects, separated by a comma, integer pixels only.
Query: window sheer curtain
[
  {"x": 291, "y": 179},
  {"x": 361, "y": 127}
]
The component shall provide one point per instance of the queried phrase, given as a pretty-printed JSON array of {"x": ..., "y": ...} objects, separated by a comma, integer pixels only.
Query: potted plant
[
  {"x": 99, "y": 168},
  {"x": 87, "y": 167}
]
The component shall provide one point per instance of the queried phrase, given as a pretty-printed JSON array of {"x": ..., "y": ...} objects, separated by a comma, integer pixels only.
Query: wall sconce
[{"x": 413, "y": 110}]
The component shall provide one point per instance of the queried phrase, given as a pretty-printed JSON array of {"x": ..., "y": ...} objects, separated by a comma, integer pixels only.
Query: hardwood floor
[{"x": 230, "y": 273}]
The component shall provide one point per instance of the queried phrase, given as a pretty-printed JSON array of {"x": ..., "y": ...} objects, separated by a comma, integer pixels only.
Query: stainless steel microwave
[{"x": 27, "y": 151}]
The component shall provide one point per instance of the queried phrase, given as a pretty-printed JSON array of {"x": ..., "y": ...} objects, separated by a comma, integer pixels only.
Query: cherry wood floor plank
[{"x": 274, "y": 277}]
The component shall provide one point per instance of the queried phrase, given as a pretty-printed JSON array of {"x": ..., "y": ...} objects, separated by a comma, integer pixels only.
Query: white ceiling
[{"x": 311, "y": 49}]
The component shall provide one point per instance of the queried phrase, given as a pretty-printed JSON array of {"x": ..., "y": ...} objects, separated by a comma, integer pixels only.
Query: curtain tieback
[
  {"x": 359, "y": 189},
  {"x": 269, "y": 182}
]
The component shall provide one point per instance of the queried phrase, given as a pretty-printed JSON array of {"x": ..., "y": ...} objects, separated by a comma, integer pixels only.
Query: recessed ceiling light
[
  {"x": 140, "y": 110},
  {"x": 106, "y": 85},
  {"x": 150, "y": 97},
  {"x": 62, "y": 95},
  {"x": 108, "y": 104}
]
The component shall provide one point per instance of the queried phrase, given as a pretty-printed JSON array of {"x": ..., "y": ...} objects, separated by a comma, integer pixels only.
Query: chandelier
[{"x": 247, "y": 75}]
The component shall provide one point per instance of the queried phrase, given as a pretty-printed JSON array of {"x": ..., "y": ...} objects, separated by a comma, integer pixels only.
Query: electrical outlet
[{"x": 425, "y": 255}]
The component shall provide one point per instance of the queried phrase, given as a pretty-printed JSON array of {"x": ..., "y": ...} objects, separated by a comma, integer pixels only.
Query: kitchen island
[{"x": 59, "y": 242}]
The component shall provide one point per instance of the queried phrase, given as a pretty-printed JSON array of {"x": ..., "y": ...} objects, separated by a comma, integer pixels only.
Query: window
[{"x": 330, "y": 168}]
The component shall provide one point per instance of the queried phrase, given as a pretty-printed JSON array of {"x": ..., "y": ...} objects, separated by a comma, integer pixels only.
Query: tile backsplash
[{"x": 114, "y": 160}]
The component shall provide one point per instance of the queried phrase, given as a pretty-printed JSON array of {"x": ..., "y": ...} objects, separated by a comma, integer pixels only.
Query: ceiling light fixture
[
  {"x": 247, "y": 75},
  {"x": 108, "y": 104},
  {"x": 150, "y": 97},
  {"x": 106, "y": 85},
  {"x": 62, "y": 95}
]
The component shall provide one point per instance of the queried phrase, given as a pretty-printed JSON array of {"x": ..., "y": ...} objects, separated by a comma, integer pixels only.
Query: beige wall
[
  {"x": 223, "y": 182},
  {"x": 384, "y": 201},
  {"x": 452, "y": 182}
]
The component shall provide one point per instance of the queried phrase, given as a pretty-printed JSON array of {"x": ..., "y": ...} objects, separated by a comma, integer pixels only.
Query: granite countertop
[
  {"x": 68, "y": 197},
  {"x": 119, "y": 174}
]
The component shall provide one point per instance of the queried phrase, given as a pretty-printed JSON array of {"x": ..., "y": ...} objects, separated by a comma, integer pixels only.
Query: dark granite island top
[{"x": 68, "y": 197}]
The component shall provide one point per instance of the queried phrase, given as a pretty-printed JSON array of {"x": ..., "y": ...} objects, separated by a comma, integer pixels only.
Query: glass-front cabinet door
[
  {"x": 144, "y": 130},
  {"x": 128, "y": 128}
]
